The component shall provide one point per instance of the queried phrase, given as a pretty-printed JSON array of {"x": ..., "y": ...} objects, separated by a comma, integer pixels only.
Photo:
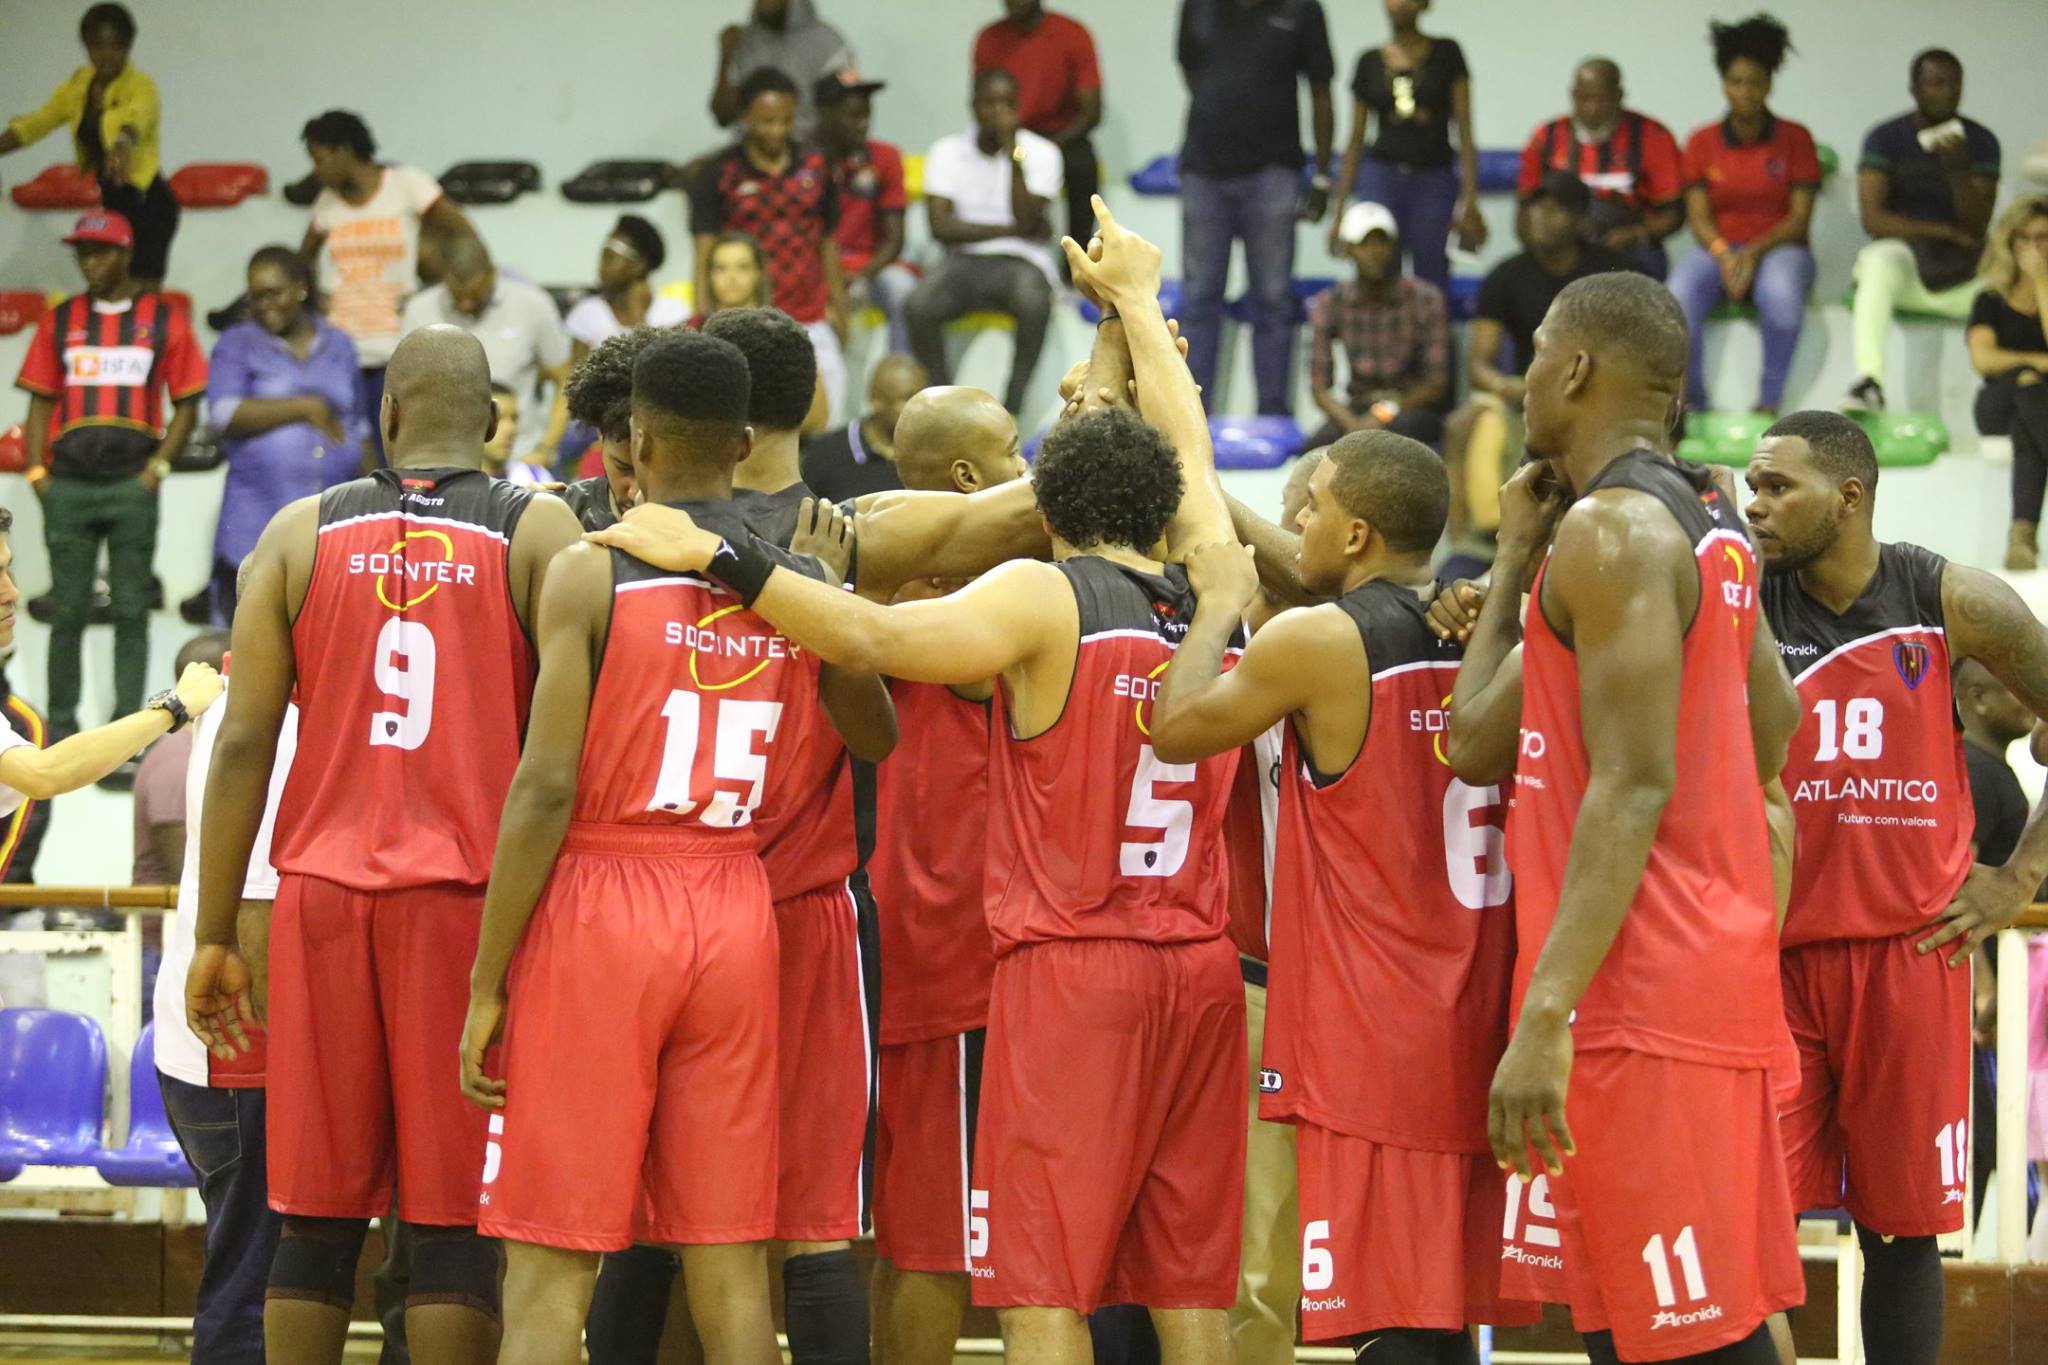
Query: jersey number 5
[
  {"x": 1172, "y": 819},
  {"x": 404, "y": 668}
]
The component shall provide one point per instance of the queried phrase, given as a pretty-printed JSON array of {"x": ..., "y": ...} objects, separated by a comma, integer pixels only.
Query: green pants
[{"x": 77, "y": 516}]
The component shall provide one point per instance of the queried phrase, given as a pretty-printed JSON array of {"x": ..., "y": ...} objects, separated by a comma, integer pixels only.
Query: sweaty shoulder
[{"x": 1617, "y": 542}]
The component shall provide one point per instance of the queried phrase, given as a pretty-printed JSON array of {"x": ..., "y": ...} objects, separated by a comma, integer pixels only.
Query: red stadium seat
[
  {"x": 62, "y": 186},
  {"x": 218, "y": 184},
  {"x": 20, "y": 309},
  {"x": 13, "y": 450}
]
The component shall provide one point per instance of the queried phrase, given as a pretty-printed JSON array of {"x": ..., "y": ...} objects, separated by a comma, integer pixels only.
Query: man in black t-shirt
[
  {"x": 860, "y": 458},
  {"x": 1483, "y": 439}
]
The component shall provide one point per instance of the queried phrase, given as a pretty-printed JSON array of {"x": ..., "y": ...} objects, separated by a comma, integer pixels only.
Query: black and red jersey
[
  {"x": 1090, "y": 835},
  {"x": 1693, "y": 973},
  {"x": 1637, "y": 165},
  {"x": 1393, "y": 949},
  {"x": 931, "y": 828},
  {"x": 1876, "y": 772},
  {"x": 695, "y": 699},
  {"x": 107, "y": 367},
  {"x": 414, "y": 679}
]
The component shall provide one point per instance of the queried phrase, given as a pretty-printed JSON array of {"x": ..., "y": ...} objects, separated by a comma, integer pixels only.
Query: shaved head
[
  {"x": 438, "y": 387},
  {"x": 943, "y": 429}
]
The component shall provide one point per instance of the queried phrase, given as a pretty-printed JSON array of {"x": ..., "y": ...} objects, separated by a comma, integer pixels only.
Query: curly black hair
[
  {"x": 691, "y": 378},
  {"x": 108, "y": 16},
  {"x": 600, "y": 390},
  {"x": 1107, "y": 478},
  {"x": 644, "y": 238},
  {"x": 780, "y": 359},
  {"x": 1394, "y": 484},
  {"x": 340, "y": 128},
  {"x": 1760, "y": 37},
  {"x": 765, "y": 80}
]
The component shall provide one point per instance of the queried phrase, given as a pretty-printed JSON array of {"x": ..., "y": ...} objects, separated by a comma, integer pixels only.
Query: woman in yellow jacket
[{"x": 111, "y": 109}]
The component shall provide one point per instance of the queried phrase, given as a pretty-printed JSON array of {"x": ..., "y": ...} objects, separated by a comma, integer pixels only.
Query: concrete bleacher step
[{"x": 1902, "y": 439}]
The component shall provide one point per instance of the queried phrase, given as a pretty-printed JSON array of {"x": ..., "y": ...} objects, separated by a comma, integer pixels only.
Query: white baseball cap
[{"x": 1363, "y": 219}]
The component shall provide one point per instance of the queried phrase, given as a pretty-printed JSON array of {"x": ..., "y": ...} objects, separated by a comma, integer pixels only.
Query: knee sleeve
[
  {"x": 316, "y": 1260},
  {"x": 452, "y": 1265},
  {"x": 1903, "y": 1299},
  {"x": 826, "y": 1309},
  {"x": 1406, "y": 1346}
]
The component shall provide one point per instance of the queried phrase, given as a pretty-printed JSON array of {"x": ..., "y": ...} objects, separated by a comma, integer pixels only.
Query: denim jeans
[
  {"x": 221, "y": 1133},
  {"x": 1784, "y": 279},
  {"x": 1258, "y": 209},
  {"x": 1422, "y": 202}
]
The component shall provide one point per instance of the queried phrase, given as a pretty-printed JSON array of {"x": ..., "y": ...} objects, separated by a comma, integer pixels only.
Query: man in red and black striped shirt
[
  {"x": 97, "y": 447},
  {"x": 1628, "y": 160}
]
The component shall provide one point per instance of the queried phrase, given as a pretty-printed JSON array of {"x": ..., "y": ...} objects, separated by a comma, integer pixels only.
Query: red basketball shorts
[
  {"x": 368, "y": 991},
  {"x": 1881, "y": 1122},
  {"x": 1110, "y": 1151},
  {"x": 639, "y": 1048},
  {"x": 1672, "y": 1222},
  {"x": 829, "y": 1002},
  {"x": 924, "y": 1152},
  {"x": 1392, "y": 1237}
]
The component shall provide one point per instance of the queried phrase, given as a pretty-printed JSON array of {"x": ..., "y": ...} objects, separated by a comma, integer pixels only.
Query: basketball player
[
  {"x": 1112, "y": 975},
  {"x": 638, "y": 990},
  {"x": 398, "y": 608},
  {"x": 931, "y": 816},
  {"x": 1872, "y": 632},
  {"x": 1382, "y": 1058},
  {"x": 1644, "y": 914},
  {"x": 599, "y": 394}
]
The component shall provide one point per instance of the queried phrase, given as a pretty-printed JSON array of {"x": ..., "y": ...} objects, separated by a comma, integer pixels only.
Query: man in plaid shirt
[{"x": 1396, "y": 338}]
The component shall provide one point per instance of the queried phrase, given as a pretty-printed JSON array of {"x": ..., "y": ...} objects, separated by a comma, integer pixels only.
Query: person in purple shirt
[{"x": 283, "y": 393}]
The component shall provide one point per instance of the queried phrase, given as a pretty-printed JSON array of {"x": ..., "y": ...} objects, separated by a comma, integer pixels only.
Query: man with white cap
[{"x": 1395, "y": 334}]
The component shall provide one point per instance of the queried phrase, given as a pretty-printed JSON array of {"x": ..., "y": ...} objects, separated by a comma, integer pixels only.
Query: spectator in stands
[
  {"x": 1059, "y": 93},
  {"x": 782, "y": 194},
  {"x": 1483, "y": 439},
  {"x": 364, "y": 239},
  {"x": 1395, "y": 334},
  {"x": 1240, "y": 172},
  {"x": 1926, "y": 184},
  {"x": 96, "y": 447},
  {"x": 861, "y": 457},
  {"x": 159, "y": 858},
  {"x": 283, "y": 394},
  {"x": 868, "y": 176},
  {"x": 1750, "y": 183},
  {"x": 1628, "y": 160},
  {"x": 738, "y": 275},
  {"x": 783, "y": 35},
  {"x": 112, "y": 111},
  {"x": 625, "y": 296},
  {"x": 2009, "y": 347},
  {"x": 518, "y": 324},
  {"x": 499, "y": 460},
  {"x": 985, "y": 198},
  {"x": 1412, "y": 88}
]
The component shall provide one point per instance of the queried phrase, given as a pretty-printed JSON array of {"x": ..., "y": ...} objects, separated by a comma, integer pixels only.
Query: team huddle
[{"x": 683, "y": 864}]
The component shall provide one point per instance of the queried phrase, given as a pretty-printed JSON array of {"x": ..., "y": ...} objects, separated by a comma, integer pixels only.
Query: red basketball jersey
[
  {"x": 1090, "y": 835},
  {"x": 695, "y": 698},
  {"x": 931, "y": 826},
  {"x": 1876, "y": 772},
  {"x": 1393, "y": 953},
  {"x": 1693, "y": 974},
  {"x": 414, "y": 677},
  {"x": 809, "y": 831}
]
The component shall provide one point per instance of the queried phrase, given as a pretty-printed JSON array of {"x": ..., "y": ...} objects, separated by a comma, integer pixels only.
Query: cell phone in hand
[{"x": 1940, "y": 132}]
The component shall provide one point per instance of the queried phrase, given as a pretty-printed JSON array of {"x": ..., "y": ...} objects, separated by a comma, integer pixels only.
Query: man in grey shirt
[
  {"x": 789, "y": 36},
  {"x": 518, "y": 324}
]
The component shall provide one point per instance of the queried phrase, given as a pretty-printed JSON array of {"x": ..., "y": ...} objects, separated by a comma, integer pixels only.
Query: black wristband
[{"x": 742, "y": 564}]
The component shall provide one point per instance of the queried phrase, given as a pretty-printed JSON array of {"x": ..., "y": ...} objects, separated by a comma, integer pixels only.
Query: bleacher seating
[
  {"x": 218, "y": 184},
  {"x": 21, "y": 309},
  {"x": 13, "y": 452},
  {"x": 53, "y": 1082},
  {"x": 151, "y": 1156},
  {"x": 1901, "y": 439},
  {"x": 1159, "y": 178},
  {"x": 1255, "y": 442},
  {"x": 620, "y": 182},
  {"x": 59, "y": 187},
  {"x": 490, "y": 182},
  {"x": 1499, "y": 168}
]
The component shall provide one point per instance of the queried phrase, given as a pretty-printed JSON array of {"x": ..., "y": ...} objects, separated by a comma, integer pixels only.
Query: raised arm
[{"x": 573, "y": 612}]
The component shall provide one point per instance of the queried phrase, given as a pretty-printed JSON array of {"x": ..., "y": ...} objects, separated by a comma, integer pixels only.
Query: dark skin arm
[
  {"x": 857, "y": 704},
  {"x": 1872, "y": 188},
  {"x": 947, "y": 228},
  {"x": 309, "y": 248},
  {"x": 1617, "y": 589},
  {"x": 184, "y": 417},
  {"x": 1275, "y": 550},
  {"x": 888, "y": 244},
  {"x": 1988, "y": 622},
  {"x": 169, "y": 842},
  {"x": 573, "y": 613},
  {"x": 253, "y": 416},
  {"x": 1322, "y": 121},
  {"x": 1087, "y": 117},
  {"x": 1774, "y": 709},
  {"x": 1347, "y": 173},
  {"x": 1486, "y": 702},
  {"x": 35, "y": 436},
  {"x": 1481, "y": 351}
]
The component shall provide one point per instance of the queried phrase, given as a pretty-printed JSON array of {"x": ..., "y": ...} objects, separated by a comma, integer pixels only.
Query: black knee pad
[
  {"x": 316, "y": 1260},
  {"x": 453, "y": 1266},
  {"x": 825, "y": 1304}
]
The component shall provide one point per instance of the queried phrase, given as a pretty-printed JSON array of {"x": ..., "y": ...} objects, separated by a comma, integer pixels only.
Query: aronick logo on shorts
[
  {"x": 1670, "y": 1318},
  {"x": 1270, "y": 1081}
]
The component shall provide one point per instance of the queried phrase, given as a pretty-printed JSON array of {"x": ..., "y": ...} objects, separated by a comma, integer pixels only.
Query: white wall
[{"x": 566, "y": 85}]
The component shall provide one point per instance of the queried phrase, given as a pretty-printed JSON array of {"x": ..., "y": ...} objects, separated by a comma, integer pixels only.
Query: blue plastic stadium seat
[
  {"x": 1170, "y": 296},
  {"x": 1255, "y": 442},
  {"x": 53, "y": 1082},
  {"x": 9, "y": 1170},
  {"x": 1499, "y": 168},
  {"x": 151, "y": 1155},
  {"x": 1159, "y": 177}
]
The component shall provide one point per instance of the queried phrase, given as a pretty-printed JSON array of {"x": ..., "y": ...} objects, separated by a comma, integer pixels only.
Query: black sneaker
[
  {"x": 122, "y": 779},
  {"x": 197, "y": 610},
  {"x": 1866, "y": 396}
]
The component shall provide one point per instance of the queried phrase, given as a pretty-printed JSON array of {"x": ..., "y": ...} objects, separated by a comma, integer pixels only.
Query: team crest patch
[{"x": 1910, "y": 657}]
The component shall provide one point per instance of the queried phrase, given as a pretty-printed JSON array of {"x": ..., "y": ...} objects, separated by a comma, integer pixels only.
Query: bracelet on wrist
[
  {"x": 1719, "y": 246},
  {"x": 36, "y": 473}
]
